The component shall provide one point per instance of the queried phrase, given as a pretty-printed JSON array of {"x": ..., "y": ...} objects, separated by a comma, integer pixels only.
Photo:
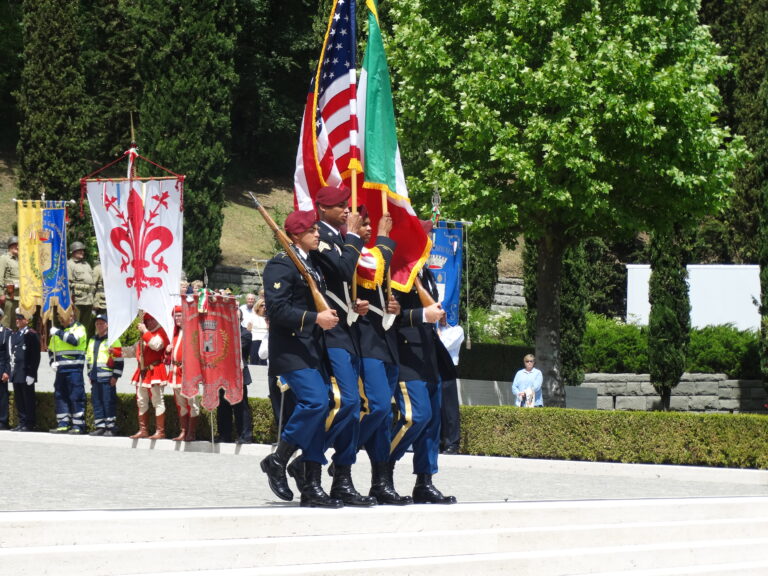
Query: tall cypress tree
[
  {"x": 187, "y": 69},
  {"x": 52, "y": 102},
  {"x": 669, "y": 322}
]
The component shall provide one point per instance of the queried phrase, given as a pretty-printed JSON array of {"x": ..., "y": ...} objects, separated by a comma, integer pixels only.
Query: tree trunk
[
  {"x": 548, "y": 279},
  {"x": 666, "y": 394}
]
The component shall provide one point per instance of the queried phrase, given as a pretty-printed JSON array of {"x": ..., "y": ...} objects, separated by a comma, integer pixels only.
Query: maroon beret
[
  {"x": 330, "y": 195},
  {"x": 300, "y": 221},
  {"x": 426, "y": 225}
]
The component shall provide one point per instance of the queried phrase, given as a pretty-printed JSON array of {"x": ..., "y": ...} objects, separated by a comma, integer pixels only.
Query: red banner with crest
[{"x": 211, "y": 350}]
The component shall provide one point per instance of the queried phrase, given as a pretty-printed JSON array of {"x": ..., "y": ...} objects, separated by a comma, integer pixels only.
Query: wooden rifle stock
[
  {"x": 321, "y": 304},
  {"x": 424, "y": 296}
]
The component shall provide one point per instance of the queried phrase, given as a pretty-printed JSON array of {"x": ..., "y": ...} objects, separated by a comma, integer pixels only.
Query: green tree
[
  {"x": 669, "y": 322},
  {"x": 275, "y": 46},
  {"x": 187, "y": 71},
  {"x": 109, "y": 50},
  {"x": 52, "y": 103},
  {"x": 561, "y": 120},
  {"x": 10, "y": 71},
  {"x": 573, "y": 307}
]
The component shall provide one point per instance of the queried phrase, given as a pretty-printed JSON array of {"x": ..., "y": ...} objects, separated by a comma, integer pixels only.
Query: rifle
[{"x": 321, "y": 304}]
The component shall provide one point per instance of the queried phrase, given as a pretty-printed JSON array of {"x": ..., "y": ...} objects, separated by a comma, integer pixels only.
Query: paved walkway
[{"x": 40, "y": 471}]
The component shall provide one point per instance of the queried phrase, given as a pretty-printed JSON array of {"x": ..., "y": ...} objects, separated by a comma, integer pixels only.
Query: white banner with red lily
[{"x": 140, "y": 230}]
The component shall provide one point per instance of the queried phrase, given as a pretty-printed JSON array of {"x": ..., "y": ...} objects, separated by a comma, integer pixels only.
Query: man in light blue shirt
[{"x": 526, "y": 387}]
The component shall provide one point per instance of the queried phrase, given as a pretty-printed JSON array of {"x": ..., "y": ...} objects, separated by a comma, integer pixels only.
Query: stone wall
[
  {"x": 695, "y": 393},
  {"x": 508, "y": 295},
  {"x": 240, "y": 280}
]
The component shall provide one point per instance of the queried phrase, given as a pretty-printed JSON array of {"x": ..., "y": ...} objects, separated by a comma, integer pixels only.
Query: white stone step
[{"x": 544, "y": 538}]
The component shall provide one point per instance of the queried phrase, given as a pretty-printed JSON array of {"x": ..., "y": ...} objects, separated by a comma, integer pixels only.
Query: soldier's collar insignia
[{"x": 276, "y": 285}]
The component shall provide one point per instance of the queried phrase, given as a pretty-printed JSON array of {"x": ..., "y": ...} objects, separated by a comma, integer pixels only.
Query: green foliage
[
  {"x": 52, "y": 102},
  {"x": 188, "y": 74},
  {"x": 669, "y": 322},
  {"x": 483, "y": 271},
  {"x": 498, "y": 327},
  {"x": 724, "y": 349},
  {"x": 573, "y": 313},
  {"x": 726, "y": 440},
  {"x": 274, "y": 47},
  {"x": 614, "y": 347},
  {"x": 10, "y": 71}
]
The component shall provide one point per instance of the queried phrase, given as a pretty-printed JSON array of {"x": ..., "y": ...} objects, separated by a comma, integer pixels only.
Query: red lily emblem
[{"x": 137, "y": 236}]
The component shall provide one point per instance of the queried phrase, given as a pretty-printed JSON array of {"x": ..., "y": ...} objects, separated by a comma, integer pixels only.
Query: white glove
[
  {"x": 30, "y": 380},
  {"x": 54, "y": 330},
  {"x": 55, "y": 366}
]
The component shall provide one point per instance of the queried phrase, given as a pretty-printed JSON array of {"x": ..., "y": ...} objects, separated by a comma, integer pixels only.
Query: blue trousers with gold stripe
[
  {"x": 379, "y": 381},
  {"x": 419, "y": 424},
  {"x": 343, "y": 423},
  {"x": 305, "y": 427}
]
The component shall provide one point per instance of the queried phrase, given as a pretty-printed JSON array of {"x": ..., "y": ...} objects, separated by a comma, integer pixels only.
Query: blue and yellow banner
[
  {"x": 43, "y": 279},
  {"x": 445, "y": 263}
]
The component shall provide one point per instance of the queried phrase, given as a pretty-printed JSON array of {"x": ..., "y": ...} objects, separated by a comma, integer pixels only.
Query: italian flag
[{"x": 380, "y": 155}]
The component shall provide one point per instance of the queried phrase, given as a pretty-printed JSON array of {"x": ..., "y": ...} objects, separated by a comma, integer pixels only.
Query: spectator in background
[
  {"x": 5, "y": 371},
  {"x": 526, "y": 387}
]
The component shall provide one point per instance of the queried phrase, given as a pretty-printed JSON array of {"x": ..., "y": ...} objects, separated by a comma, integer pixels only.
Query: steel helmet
[
  {"x": 75, "y": 247},
  {"x": 13, "y": 240}
]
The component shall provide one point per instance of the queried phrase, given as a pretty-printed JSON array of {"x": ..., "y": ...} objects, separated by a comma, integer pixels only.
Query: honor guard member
[
  {"x": 81, "y": 284},
  {"x": 9, "y": 277},
  {"x": 5, "y": 373},
  {"x": 187, "y": 408},
  {"x": 66, "y": 353},
  {"x": 379, "y": 365},
  {"x": 338, "y": 254},
  {"x": 419, "y": 390},
  {"x": 105, "y": 366},
  {"x": 297, "y": 355},
  {"x": 24, "y": 352},
  {"x": 99, "y": 296},
  {"x": 150, "y": 377}
]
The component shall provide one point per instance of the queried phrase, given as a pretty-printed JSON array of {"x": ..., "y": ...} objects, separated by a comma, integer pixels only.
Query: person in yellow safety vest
[
  {"x": 66, "y": 353},
  {"x": 105, "y": 366}
]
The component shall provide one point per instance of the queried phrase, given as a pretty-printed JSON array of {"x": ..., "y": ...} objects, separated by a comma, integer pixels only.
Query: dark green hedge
[
  {"x": 726, "y": 440},
  {"x": 723, "y": 440},
  {"x": 492, "y": 361}
]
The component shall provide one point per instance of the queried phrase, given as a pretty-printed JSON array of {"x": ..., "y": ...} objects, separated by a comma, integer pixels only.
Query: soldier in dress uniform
[
  {"x": 9, "y": 282},
  {"x": 297, "y": 355},
  {"x": 5, "y": 370},
  {"x": 24, "y": 352},
  {"x": 419, "y": 390},
  {"x": 150, "y": 377},
  {"x": 379, "y": 366},
  {"x": 337, "y": 256},
  {"x": 81, "y": 284}
]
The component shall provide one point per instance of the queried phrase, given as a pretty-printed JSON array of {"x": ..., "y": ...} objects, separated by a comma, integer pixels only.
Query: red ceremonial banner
[{"x": 211, "y": 351}]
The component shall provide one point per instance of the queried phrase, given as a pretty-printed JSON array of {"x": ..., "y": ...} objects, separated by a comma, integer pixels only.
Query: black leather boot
[
  {"x": 274, "y": 467},
  {"x": 343, "y": 488},
  {"x": 313, "y": 495},
  {"x": 296, "y": 471},
  {"x": 382, "y": 487},
  {"x": 425, "y": 492}
]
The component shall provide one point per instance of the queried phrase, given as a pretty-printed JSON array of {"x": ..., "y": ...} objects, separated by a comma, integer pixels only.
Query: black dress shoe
[
  {"x": 20, "y": 428},
  {"x": 98, "y": 432},
  {"x": 451, "y": 450}
]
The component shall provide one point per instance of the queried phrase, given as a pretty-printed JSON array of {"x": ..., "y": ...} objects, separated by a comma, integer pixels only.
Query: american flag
[{"x": 328, "y": 143}]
